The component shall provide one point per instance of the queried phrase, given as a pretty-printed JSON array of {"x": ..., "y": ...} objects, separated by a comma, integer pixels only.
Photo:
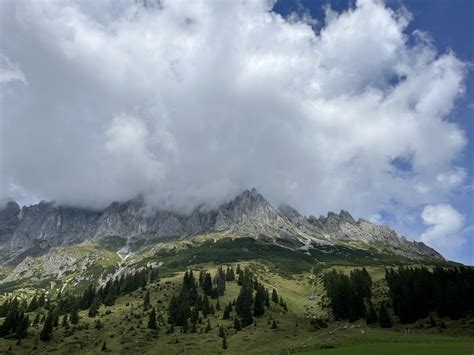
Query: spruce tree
[
  {"x": 274, "y": 325},
  {"x": 221, "y": 331},
  {"x": 146, "y": 300},
  {"x": 384, "y": 318},
  {"x": 237, "y": 325},
  {"x": 259, "y": 301},
  {"x": 64, "y": 322},
  {"x": 47, "y": 331},
  {"x": 74, "y": 315},
  {"x": 275, "y": 296},
  {"x": 104, "y": 346},
  {"x": 207, "y": 285},
  {"x": 94, "y": 307},
  {"x": 226, "y": 314},
  {"x": 33, "y": 306},
  {"x": 371, "y": 314},
  {"x": 244, "y": 302},
  {"x": 224, "y": 342},
  {"x": 152, "y": 320},
  {"x": 22, "y": 326}
]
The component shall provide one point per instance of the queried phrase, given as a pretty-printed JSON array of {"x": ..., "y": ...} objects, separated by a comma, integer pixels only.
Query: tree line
[
  {"x": 351, "y": 298},
  {"x": 68, "y": 305},
  {"x": 416, "y": 292},
  {"x": 193, "y": 303}
]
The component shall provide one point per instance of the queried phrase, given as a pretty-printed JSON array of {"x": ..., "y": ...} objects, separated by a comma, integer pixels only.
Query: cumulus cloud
[
  {"x": 191, "y": 102},
  {"x": 445, "y": 231}
]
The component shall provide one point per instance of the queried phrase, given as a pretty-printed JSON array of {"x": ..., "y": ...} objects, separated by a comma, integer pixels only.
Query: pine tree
[
  {"x": 36, "y": 319},
  {"x": 146, "y": 300},
  {"x": 185, "y": 326},
  {"x": 221, "y": 331},
  {"x": 64, "y": 322},
  {"x": 74, "y": 315},
  {"x": 384, "y": 318},
  {"x": 218, "y": 305},
  {"x": 152, "y": 320},
  {"x": 275, "y": 296},
  {"x": 173, "y": 310},
  {"x": 47, "y": 331},
  {"x": 33, "y": 306},
  {"x": 274, "y": 325},
  {"x": 206, "y": 308},
  {"x": 224, "y": 342},
  {"x": 229, "y": 274},
  {"x": 371, "y": 314},
  {"x": 226, "y": 314},
  {"x": 104, "y": 346},
  {"x": 208, "y": 326},
  {"x": 22, "y": 326},
  {"x": 244, "y": 302},
  {"x": 55, "y": 316},
  {"x": 207, "y": 285},
  {"x": 94, "y": 307},
  {"x": 259, "y": 301},
  {"x": 237, "y": 325}
]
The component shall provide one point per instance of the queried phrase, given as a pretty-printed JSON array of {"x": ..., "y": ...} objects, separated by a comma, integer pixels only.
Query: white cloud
[
  {"x": 10, "y": 72},
  {"x": 192, "y": 102},
  {"x": 445, "y": 231}
]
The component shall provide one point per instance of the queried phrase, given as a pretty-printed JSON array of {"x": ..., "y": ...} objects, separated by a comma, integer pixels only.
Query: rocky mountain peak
[
  {"x": 42, "y": 227},
  {"x": 289, "y": 211}
]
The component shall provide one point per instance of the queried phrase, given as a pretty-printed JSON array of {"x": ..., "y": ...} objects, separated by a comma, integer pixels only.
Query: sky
[{"x": 361, "y": 105}]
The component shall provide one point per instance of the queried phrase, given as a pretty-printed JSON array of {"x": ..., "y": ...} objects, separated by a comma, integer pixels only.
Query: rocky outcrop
[{"x": 37, "y": 229}]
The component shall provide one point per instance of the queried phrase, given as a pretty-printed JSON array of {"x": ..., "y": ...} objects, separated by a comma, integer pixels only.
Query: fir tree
[
  {"x": 74, "y": 315},
  {"x": 224, "y": 342},
  {"x": 22, "y": 326},
  {"x": 152, "y": 320},
  {"x": 384, "y": 318},
  {"x": 244, "y": 302},
  {"x": 146, "y": 300},
  {"x": 206, "y": 308},
  {"x": 259, "y": 301},
  {"x": 221, "y": 331},
  {"x": 371, "y": 314},
  {"x": 47, "y": 331},
  {"x": 33, "y": 306},
  {"x": 237, "y": 325},
  {"x": 226, "y": 314},
  {"x": 94, "y": 307},
  {"x": 275, "y": 296},
  {"x": 207, "y": 285}
]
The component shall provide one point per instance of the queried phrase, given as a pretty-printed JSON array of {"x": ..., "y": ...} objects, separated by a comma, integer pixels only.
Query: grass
[
  {"x": 125, "y": 327},
  {"x": 399, "y": 348},
  {"x": 295, "y": 275}
]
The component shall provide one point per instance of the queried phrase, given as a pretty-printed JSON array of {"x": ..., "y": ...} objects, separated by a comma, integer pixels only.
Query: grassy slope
[{"x": 289, "y": 272}]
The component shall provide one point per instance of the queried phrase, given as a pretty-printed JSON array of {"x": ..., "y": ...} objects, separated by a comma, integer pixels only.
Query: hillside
[{"x": 58, "y": 253}]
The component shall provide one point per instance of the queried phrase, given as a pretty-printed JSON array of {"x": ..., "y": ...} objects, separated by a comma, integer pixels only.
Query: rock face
[{"x": 36, "y": 229}]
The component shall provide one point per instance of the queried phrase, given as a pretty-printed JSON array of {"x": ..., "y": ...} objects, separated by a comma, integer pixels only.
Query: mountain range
[{"x": 133, "y": 226}]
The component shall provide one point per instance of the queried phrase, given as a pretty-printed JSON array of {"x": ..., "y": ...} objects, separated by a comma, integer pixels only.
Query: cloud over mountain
[{"x": 191, "y": 102}]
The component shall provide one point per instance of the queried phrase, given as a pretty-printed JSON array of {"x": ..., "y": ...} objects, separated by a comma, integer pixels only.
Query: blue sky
[
  {"x": 190, "y": 103},
  {"x": 451, "y": 26}
]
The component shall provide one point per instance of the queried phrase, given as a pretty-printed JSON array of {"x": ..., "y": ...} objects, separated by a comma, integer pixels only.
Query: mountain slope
[{"x": 133, "y": 226}]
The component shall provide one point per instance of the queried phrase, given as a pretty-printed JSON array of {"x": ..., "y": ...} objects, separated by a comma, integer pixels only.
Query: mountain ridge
[{"x": 36, "y": 229}]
